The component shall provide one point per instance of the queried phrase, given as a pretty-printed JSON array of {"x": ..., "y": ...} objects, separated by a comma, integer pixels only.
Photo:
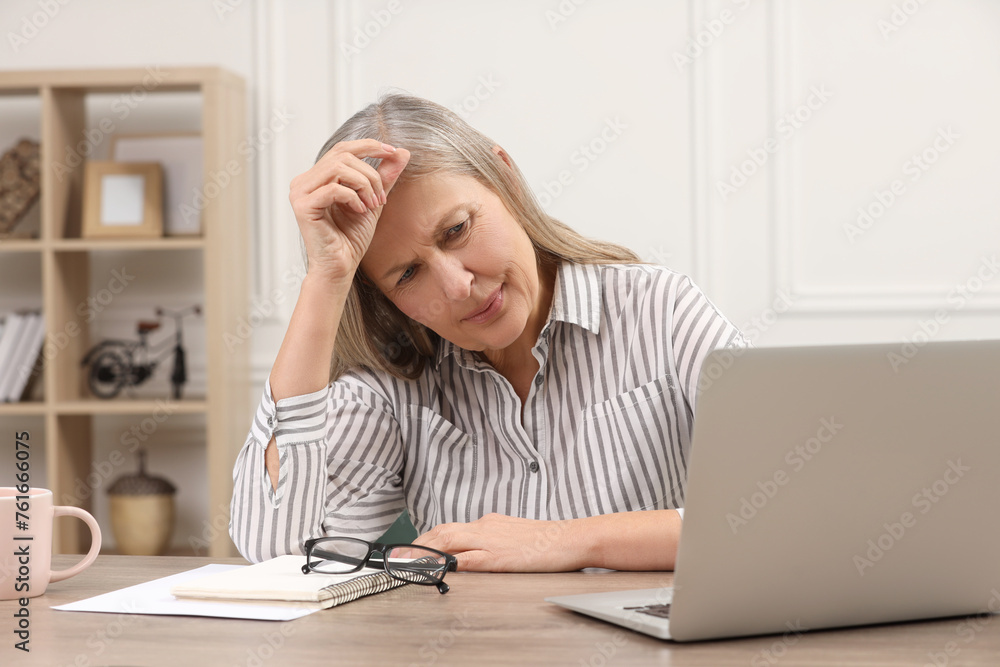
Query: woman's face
[{"x": 450, "y": 255}]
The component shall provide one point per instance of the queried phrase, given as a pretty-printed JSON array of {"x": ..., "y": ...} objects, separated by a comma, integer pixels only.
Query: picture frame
[
  {"x": 122, "y": 200},
  {"x": 180, "y": 155}
]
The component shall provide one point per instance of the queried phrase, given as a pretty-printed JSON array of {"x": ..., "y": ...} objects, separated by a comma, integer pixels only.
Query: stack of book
[{"x": 22, "y": 334}]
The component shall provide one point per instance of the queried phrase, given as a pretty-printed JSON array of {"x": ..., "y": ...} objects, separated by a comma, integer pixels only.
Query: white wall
[
  {"x": 911, "y": 106},
  {"x": 687, "y": 95}
]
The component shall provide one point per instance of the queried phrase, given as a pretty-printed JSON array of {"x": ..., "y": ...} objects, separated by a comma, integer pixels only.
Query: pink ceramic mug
[{"x": 26, "y": 542}]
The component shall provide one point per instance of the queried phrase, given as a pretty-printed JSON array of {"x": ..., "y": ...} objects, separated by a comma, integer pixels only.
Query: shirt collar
[
  {"x": 576, "y": 299},
  {"x": 578, "y": 296}
]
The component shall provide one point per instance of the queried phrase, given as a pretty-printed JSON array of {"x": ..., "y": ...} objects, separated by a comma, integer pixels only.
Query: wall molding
[
  {"x": 823, "y": 300},
  {"x": 343, "y": 93},
  {"x": 704, "y": 212},
  {"x": 260, "y": 93}
]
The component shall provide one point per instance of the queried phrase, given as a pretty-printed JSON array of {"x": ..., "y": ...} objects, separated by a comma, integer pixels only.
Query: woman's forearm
[
  {"x": 645, "y": 540},
  {"x": 303, "y": 362},
  {"x": 642, "y": 540}
]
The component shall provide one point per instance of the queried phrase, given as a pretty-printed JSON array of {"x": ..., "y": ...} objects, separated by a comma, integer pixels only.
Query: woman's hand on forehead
[{"x": 337, "y": 203}]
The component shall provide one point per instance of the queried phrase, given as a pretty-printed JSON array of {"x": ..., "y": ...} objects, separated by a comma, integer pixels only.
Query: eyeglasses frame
[{"x": 450, "y": 564}]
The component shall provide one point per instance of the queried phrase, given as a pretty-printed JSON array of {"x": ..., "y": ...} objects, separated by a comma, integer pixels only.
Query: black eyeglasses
[{"x": 411, "y": 563}]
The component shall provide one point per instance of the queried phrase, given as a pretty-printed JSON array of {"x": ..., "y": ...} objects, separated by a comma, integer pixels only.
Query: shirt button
[
  {"x": 270, "y": 421},
  {"x": 538, "y": 381},
  {"x": 533, "y": 466}
]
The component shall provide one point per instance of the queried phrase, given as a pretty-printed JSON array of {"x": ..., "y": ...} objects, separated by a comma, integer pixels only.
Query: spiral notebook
[{"x": 281, "y": 580}]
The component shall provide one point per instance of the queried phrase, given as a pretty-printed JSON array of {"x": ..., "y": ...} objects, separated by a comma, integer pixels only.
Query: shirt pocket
[
  {"x": 630, "y": 451},
  {"x": 441, "y": 470}
]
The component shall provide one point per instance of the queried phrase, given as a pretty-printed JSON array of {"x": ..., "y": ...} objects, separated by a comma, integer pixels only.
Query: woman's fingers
[
  {"x": 330, "y": 194},
  {"x": 349, "y": 182},
  {"x": 349, "y": 177},
  {"x": 391, "y": 167},
  {"x": 363, "y": 177},
  {"x": 338, "y": 163},
  {"x": 332, "y": 200},
  {"x": 338, "y": 173}
]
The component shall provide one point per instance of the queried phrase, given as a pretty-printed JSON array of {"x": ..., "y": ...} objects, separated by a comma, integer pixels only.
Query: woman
[{"x": 526, "y": 393}]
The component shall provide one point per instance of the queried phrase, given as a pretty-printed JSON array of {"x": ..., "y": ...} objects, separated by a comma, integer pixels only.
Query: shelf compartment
[
  {"x": 68, "y": 453},
  {"x": 21, "y": 277},
  {"x": 66, "y": 288}
]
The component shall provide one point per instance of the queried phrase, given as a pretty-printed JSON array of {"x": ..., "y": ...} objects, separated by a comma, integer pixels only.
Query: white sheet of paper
[
  {"x": 122, "y": 199},
  {"x": 153, "y": 597}
]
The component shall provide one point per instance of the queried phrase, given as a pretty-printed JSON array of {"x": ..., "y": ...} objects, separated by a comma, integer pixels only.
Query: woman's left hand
[{"x": 500, "y": 543}]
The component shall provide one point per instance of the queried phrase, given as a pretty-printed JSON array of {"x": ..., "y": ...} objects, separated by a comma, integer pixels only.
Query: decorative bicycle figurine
[{"x": 120, "y": 364}]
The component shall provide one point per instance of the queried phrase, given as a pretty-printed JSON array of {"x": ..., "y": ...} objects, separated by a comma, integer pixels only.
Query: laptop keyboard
[{"x": 658, "y": 610}]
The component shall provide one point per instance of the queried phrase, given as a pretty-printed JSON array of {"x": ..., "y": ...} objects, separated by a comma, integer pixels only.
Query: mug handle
[{"x": 95, "y": 542}]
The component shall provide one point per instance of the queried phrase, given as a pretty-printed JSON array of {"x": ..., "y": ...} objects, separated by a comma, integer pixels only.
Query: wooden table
[{"x": 486, "y": 619}]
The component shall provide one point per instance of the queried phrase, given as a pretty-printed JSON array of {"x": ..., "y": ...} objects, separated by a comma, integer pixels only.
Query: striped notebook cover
[{"x": 281, "y": 580}]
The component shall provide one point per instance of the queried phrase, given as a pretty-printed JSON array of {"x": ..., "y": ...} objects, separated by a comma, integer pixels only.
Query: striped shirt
[{"x": 606, "y": 424}]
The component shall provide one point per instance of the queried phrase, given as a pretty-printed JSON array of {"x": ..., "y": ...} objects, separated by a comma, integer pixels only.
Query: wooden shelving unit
[{"x": 68, "y": 409}]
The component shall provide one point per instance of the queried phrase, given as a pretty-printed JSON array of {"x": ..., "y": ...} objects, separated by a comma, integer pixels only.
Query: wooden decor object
[{"x": 20, "y": 184}]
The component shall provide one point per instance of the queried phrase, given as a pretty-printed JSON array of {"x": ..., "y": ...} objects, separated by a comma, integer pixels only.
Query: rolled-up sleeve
[{"x": 339, "y": 462}]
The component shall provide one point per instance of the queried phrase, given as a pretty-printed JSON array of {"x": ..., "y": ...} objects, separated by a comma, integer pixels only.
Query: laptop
[{"x": 829, "y": 487}]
